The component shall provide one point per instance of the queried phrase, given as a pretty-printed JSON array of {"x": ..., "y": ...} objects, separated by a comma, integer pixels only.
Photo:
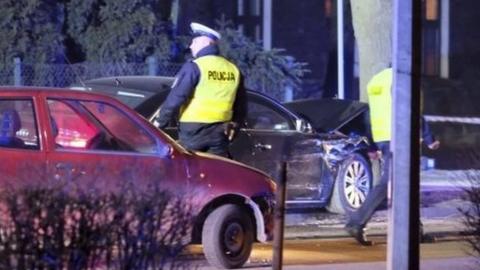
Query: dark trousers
[
  {"x": 379, "y": 192},
  {"x": 209, "y": 138}
]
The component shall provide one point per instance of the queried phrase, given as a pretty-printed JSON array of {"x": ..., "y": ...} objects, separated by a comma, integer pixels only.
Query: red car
[{"x": 49, "y": 134}]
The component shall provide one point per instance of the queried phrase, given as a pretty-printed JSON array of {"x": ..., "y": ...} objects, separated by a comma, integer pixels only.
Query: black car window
[
  {"x": 262, "y": 117},
  {"x": 18, "y": 127}
]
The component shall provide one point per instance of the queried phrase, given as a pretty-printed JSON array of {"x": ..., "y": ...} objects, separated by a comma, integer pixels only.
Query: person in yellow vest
[
  {"x": 380, "y": 107},
  {"x": 379, "y": 101},
  {"x": 207, "y": 96}
]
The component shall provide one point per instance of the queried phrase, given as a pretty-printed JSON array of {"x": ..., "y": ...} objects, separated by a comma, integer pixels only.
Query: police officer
[
  {"x": 380, "y": 105},
  {"x": 207, "y": 95}
]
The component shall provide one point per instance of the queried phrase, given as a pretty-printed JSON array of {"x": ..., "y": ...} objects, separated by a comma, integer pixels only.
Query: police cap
[{"x": 202, "y": 30}]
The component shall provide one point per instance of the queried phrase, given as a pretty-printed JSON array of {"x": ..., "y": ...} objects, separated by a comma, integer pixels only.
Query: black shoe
[{"x": 358, "y": 232}]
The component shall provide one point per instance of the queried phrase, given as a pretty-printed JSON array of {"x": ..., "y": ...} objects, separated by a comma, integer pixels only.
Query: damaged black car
[{"x": 319, "y": 140}]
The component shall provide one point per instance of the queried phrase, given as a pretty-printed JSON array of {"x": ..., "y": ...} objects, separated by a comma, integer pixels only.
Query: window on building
[
  {"x": 431, "y": 10},
  {"x": 249, "y": 14},
  {"x": 431, "y": 38},
  {"x": 328, "y": 8}
]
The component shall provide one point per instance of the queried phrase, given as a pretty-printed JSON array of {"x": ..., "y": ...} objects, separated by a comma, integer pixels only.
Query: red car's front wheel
[{"x": 228, "y": 236}]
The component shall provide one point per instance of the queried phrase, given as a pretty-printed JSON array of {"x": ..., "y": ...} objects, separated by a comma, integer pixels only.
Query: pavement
[
  {"x": 439, "y": 220},
  {"x": 461, "y": 263},
  {"x": 442, "y": 199},
  {"x": 448, "y": 179}
]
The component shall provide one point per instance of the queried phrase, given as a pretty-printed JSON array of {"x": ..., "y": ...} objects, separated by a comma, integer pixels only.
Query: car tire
[
  {"x": 353, "y": 183},
  {"x": 227, "y": 237}
]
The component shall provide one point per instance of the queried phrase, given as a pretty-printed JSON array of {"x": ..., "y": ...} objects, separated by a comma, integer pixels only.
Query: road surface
[
  {"x": 345, "y": 252},
  {"x": 315, "y": 239}
]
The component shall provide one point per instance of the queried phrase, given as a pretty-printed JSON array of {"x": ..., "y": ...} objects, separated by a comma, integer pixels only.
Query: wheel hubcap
[
  {"x": 234, "y": 238},
  {"x": 357, "y": 184}
]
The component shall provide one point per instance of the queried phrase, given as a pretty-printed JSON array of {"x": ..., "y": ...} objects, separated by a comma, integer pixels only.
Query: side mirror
[{"x": 301, "y": 125}]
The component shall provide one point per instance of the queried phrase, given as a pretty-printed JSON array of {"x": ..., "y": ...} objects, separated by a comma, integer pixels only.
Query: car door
[
  {"x": 97, "y": 146},
  {"x": 22, "y": 160},
  {"x": 266, "y": 141},
  {"x": 271, "y": 138}
]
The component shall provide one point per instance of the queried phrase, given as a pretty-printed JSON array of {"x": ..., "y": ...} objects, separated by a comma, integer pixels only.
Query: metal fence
[{"x": 62, "y": 75}]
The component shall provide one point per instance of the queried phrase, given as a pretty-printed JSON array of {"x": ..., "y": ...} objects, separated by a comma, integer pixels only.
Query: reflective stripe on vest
[
  {"x": 215, "y": 93},
  {"x": 380, "y": 103}
]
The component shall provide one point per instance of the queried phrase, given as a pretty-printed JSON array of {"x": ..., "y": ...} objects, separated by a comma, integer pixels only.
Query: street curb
[{"x": 436, "y": 228}]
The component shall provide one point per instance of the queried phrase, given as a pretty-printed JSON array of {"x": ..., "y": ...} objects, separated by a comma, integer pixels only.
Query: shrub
[
  {"x": 267, "y": 71},
  {"x": 50, "y": 228},
  {"x": 471, "y": 214}
]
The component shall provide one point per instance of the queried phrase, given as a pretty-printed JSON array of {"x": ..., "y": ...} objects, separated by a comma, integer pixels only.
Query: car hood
[
  {"x": 327, "y": 115},
  {"x": 208, "y": 156}
]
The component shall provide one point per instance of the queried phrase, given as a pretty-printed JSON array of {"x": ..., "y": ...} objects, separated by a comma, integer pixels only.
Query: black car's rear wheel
[
  {"x": 227, "y": 237},
  {"x": 352, "y": 185}
]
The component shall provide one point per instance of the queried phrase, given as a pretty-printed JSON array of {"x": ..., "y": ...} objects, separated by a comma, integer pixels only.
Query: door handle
[
  {"x": 63, "y": 166},
  {"x": 262, "y": 146},
  {"x": 71, "y": 171}
]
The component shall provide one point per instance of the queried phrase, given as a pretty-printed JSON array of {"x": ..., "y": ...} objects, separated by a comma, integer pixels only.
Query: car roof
[
  {"x": 131, "y": 90},
  {"x": 151, "y": 84},
  {"x": 42, "y": 89},
  {"x": 12, "y": 91}
]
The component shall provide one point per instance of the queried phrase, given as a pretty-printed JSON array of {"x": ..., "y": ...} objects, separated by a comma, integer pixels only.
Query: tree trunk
[{"x": 372, "y": 24}]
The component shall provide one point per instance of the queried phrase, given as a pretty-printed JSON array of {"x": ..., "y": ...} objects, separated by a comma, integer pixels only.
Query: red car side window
[
  {"x": 127, "y": 134},
  {"x": 18, "y": 128},
  {"x": 70, "y": 129}
]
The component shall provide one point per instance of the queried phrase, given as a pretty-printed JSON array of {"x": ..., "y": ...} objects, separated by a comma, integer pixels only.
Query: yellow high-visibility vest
[
  {"x": 215, "y": 92},
  {"x": 379, "y": 90}
]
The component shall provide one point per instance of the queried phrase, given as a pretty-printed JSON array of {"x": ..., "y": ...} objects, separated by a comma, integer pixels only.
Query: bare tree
[
  {"x": 471, "y": 213},
  {"x": 372, "y": 24}
]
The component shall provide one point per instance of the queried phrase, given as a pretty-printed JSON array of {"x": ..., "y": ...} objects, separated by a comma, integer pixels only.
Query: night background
[{"x": 288, "y": 51}]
